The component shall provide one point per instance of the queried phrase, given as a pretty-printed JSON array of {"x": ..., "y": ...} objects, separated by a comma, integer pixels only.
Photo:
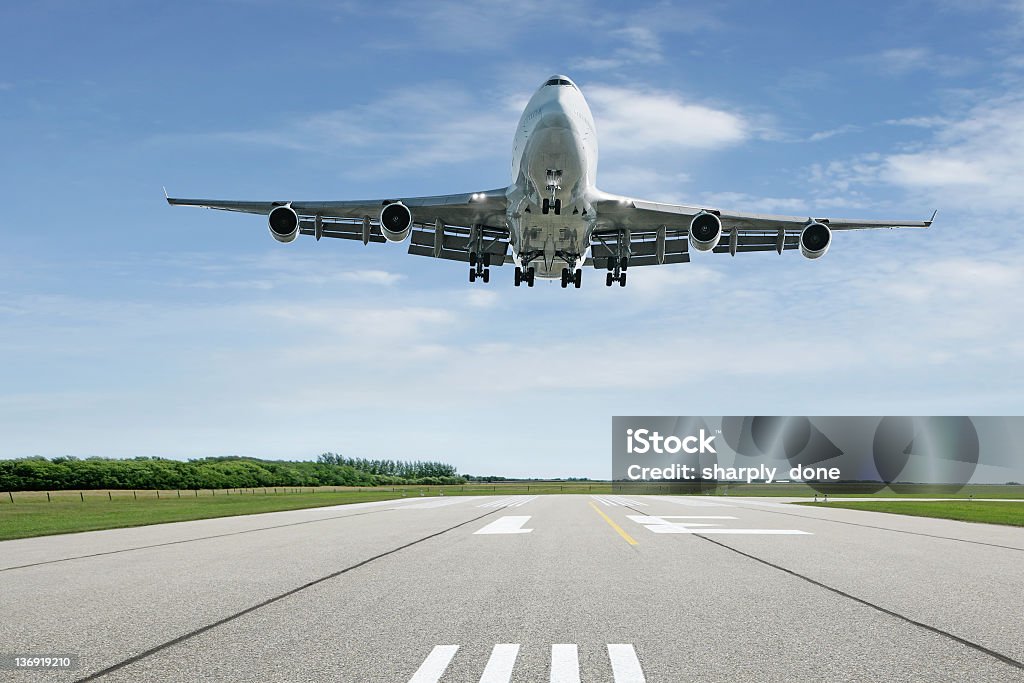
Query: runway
[{"x": 560, "y": 588}]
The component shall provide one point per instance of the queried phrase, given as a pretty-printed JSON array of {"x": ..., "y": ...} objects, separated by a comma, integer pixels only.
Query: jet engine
[
  {"x": 705, "y": 231},
  {"x": 284, "y": 223},
  {"x": 395, "y": 222},
  {"x": 814, "y": 240}
]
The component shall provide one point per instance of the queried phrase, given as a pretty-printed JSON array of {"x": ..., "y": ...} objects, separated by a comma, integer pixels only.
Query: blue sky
[{"x": 131, "y": 328}]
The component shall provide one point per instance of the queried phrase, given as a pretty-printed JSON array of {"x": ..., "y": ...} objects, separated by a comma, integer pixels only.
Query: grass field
[
  {"x": 988, "y": 511},
  {"x": 38, "y": 513}
]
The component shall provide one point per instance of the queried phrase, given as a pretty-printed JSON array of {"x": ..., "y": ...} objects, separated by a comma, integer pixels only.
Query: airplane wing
[
  {"x": 444, "y": 226},
  {"x": 659, "y": 232}
]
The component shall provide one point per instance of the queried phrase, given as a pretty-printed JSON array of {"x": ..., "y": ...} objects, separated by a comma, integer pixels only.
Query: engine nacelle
[
  {"x": 705, "y": 231},
  {"x": 284, "y": 223},
  {"x": 814, "y": 240},
  {"x": 395, "y": 222}
]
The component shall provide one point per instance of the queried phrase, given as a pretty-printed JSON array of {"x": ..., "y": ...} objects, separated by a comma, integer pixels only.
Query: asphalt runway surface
[{"x": 527, "y": 589}]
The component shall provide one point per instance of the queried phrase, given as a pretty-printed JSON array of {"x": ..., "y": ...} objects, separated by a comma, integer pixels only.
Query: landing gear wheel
[
  {"x": 545, "y": 206},
  {"x": 622, "y": 280},
  {"x": 558, "y": 207},
  {"x": 611, "y": 263},
  {"x": 472, "y": 275},
  {"x": 487, "y": 260},
  {"x": 623, "y": 262},
  {"x": 565, "y": 278},
  {"x": 472, "y": 258},
  {"x": 487, "y": 275},
  {"x": 608, "y": 280},
  {"x": 577, "y": 278},
  {"x": 530, "y": 276},
  {"x": 519, "y": 276}
]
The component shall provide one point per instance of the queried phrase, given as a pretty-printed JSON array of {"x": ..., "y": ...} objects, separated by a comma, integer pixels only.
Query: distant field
[
  {"x": 35, "y": 514},
  {"x": 987, "y": 511},
  {"x": 67, "y": 513},
  {"x": 38, "y": 513}
]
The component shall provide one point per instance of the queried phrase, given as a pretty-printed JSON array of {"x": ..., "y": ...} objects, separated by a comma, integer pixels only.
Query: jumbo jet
[{"x": 552, "y": 217}]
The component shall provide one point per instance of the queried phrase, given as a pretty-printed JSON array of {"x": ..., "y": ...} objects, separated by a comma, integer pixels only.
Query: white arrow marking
[{"x": 506, "y": 525}]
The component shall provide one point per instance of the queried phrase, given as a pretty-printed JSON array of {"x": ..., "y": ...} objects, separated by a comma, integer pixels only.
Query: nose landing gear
[{"x": 553, "y": 184}]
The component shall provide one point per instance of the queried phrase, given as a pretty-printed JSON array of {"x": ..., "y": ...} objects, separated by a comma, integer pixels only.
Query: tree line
[{"x": 68, "y": 472}]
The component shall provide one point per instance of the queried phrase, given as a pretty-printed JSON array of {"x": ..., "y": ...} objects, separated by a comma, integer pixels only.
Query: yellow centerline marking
[{"x": 622, "y": 532}]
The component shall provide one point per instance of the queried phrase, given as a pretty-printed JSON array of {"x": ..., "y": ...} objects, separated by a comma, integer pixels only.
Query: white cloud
[
  {"x": 903, "y": 61},
  {"x": 973, "y": 162},
  {"x": 407, "y": 128},
  {"x": 642, "y": 120}
]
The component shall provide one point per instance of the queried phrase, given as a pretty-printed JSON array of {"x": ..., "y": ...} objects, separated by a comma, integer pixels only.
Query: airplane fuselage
[{"x": 554, "y": 166}]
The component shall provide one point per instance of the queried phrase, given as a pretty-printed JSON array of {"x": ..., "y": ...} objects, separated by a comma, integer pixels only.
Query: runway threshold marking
[
  {"x": 435, "y": 664},
  {"x": 622, "y": 532},
  {"x": 565, "y": 663},
  {"x": 499, "y": 666},
  {"x": 511, "y": 524},
  {"x": 509, "y": 502},
  {"x": 625, "y": 665}
]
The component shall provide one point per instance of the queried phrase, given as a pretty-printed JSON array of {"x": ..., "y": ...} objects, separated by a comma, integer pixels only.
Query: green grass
[
  {"x": 68, "y": 514},
  {"x": 33, "y": 514},
  {"x": 987, "y": 511}
]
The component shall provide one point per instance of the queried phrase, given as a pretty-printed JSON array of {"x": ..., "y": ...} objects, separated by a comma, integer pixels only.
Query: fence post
[
  {"x": 179, "y": 493},
  {"x": 110, "y": 497},
  {"x": 82, "y": 496},
  {"x": 48, "y": 497},
  {"x": 135, "y": 495},
  {"x": 197, "y": 493},
  {"x": 9, "y": 493},
  {"x": 158, "y": 494}
]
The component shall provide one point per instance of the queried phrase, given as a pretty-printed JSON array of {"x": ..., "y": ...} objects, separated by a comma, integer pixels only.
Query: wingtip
[
  {"x": 932, "y": 219},
  {"x": 166, "y": 196}
]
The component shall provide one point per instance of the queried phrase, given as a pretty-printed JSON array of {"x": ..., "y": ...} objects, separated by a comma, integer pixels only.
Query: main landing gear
[
  {"x": 547, "y": 206},
  {"x": 616, "y": 271},
  {"x": 525, "y": 275},
  {"x": 479, "y": 267},
  {"x": 575, "y": 277}
]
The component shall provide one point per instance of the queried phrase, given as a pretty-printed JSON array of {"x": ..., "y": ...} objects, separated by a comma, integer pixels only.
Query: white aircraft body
[{"x": 551, "y": 217}]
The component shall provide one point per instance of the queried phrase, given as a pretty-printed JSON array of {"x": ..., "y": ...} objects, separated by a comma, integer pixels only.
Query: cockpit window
[{"x": 558, "y": 81}]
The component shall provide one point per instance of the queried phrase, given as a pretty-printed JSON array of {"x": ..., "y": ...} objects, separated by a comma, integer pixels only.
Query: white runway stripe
[
  {"x": 434, "y": 665},
  {"x": 565, "y": 664},
  {"x": 438, "y": 502},
  {"x": 500, "y": 665},
  {"x": 615, "y": 501},
  {"x": 691, "y": 502},
  {"x": 626, "y": 501},
  {"x": 508, "y": 502},
  {"x": 625, "y": 665}
]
